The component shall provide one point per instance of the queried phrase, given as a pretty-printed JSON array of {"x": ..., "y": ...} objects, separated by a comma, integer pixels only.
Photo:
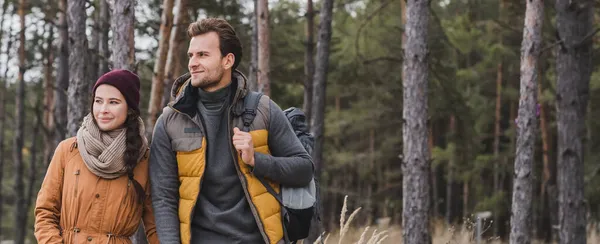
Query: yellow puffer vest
[{"x": 191, "y": 163}]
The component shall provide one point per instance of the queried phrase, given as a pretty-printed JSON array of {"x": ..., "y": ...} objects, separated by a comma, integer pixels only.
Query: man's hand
[{"x": 242, "y": 141}]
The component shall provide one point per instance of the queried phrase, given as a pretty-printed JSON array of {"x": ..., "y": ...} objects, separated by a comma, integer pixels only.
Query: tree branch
[
  {"x": 587, "y": 37},
  {"x": 577, "y": 45}
]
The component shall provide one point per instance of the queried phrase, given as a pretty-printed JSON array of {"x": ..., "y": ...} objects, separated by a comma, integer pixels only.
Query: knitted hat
[{"x": 126, "y": 82}]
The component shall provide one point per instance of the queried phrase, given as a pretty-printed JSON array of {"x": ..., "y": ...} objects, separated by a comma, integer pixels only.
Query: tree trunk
[
  {"x": 368, "y": 183},
  {"x": 309, "y": 61},
  {"x": 33, "y": 165},
  {"x": 78, "y": 56},
  {"x": 450, "y": 180},
  {"x": 465, "y": 199},
  {"x": 521, "y": 221},
  {"x": 48, "y": 120},
  {"x": 103, "y": 47},
  {"x": 3, "y": 107},
  {"x": 264, "y": 52},
  {"x": 122, "y": 24},
  {"x": 434, "y": 187},
  {"x": 19, "y": 194},
  {"x": 320, "y": 85},
  {"x": 317, "y": 128},
  {"x": 253, "y": 69},
  {"x": 573, "y": 70},
  {"x": 177, "y": 38},
  {"x": 549, "y": 178},
  {"x": 94, "y": 60},
  {"x": 415, "y": 161},
  {"x": 497, "y": 134},
  {"x": 62, "y": 76},
  {"x": 156, "y": 94}
]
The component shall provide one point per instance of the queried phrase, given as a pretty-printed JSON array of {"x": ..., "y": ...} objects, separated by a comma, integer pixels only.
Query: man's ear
[{"x": 228, "y": 61}]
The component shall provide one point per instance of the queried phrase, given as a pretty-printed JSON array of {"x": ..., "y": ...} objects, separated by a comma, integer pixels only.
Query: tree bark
[
  {"x": 62, "y": 76},
  {"x": 317, "y": 128},
  {"x": 33, "y": 165},
  {"x": 177, "y": 38},
  {"x": 48, "y": 120},
  {"x": 156, "y": 94},
  {"x": 450, "y": 180},
  {"x": 78, "y": 57},
  {"x": 521, "y": 217},
  {"x": 309, "y": 61},
  {"x": 318, "y": 100},
  {"x": 573, "y": 69},
  {"x": 123, "y": 24},
  {"x": 253, "y": 69},
  {"x": 433, "y": 174},
  {"x": 264, "y": 52},
  {"x": 103, "y": 47},
  {"x": 497, "y": 134},
  {"x": 415, "y": 162},
  {"x": 94, "y": 59},
  {"x": 19, "y": 193},
  {"x": 3, "y": 107}
]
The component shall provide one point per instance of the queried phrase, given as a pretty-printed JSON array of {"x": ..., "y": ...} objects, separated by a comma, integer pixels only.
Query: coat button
[
  {"x": 97, "y": 195},
  {"x": 89, "y": 238}
]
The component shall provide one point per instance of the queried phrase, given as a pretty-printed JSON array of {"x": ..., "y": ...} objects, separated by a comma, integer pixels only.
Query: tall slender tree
[
  {"x": 158, "y": 77},
  {"x": 253, "y": 70},
  {"x": 103, "y": 47},
  {"x": 123, "y": 25},
  {"x": 415, "y": 161},
  {"x": 522, "y": 197},
  {"x": 573, "y": 71},
  {"x": 264, "y": 51},
  {"x": 3, "y": 95},
  {"x": 19, "y": 193},
  {"x": 309, "y": 61},
  {"x": 62, "y": 75},
  {"x": 178, "y": 36},
  {"x": 78, "y": 58},
  {"x": 320, "y": 89},
  {"x": 48, "y": 120}
]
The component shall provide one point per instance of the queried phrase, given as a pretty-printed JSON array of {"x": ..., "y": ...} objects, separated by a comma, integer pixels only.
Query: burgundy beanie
[{"x": 126, "y": 82}]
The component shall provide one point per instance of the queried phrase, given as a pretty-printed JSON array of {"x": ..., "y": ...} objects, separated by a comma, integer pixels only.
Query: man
[{"x": 204, "y": 168}]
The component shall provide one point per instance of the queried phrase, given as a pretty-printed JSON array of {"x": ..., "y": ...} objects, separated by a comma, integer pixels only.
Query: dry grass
[{"x": 441, "y": 234}]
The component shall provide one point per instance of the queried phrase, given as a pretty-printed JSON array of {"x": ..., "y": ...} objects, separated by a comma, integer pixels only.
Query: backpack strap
[
  {"x": 251, "y": 101},
  {"x": 250, "y": 108}
]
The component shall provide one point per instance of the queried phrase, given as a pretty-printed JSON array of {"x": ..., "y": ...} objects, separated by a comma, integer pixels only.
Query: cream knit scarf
[{"x": 103, "y": 152}]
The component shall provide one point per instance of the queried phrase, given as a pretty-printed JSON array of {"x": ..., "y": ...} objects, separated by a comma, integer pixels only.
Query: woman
[{"x": 96, "y": 189}]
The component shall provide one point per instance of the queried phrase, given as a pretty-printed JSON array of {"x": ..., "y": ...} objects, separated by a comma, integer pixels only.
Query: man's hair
[{"x": 228, "y": 40}]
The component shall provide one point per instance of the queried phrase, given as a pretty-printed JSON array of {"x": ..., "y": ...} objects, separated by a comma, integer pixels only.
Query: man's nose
[{"x": 193, "y": 63}]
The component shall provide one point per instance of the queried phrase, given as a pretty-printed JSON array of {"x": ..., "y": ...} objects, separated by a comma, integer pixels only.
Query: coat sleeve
[
  {"x": 164, "y": 185},
  {"x": 48, "y": 203},
  {"x": 289, "y": 163},
  {"x": 148, "y": 217}
]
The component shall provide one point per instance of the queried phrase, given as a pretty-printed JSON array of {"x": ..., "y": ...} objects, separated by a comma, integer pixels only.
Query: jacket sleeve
[
  {"x": 164, "y": 185},
  {"x": 148, "y": 218},
  {"x": 48, "y": 203},
  {"x": 289, "y": 163}
]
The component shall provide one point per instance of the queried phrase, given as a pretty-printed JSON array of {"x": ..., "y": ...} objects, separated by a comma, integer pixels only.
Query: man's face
[{"x": 206, "y": 64}]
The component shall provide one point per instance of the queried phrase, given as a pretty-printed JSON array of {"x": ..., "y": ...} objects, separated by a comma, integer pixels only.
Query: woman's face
[{"x": 110, "y": 108}]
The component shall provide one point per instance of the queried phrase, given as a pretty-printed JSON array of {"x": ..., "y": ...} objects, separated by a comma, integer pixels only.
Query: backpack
[{"x": 298, "y": 205}]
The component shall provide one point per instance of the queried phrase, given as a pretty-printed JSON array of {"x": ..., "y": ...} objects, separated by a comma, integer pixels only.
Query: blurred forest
[{"x": 52, "y": 52}]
